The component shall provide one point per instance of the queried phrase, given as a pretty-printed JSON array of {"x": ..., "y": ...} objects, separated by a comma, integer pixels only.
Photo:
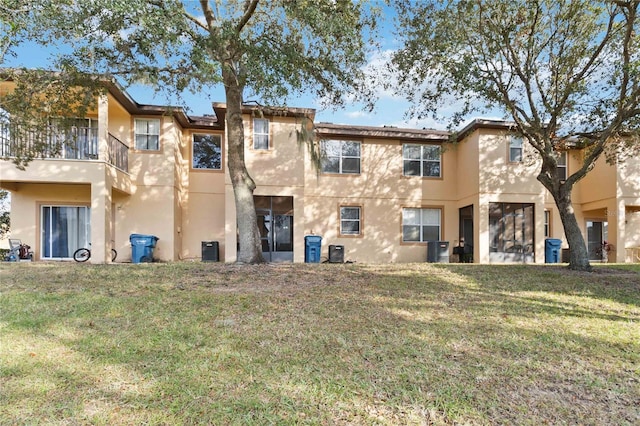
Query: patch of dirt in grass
[{"x": 273, "y": 277}]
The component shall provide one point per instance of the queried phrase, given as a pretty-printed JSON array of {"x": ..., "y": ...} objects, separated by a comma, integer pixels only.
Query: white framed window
[
  {"x": 562, "y": 165},
  {"x": 515, "y": 149},
  {"x": 342, "y": 157},
  {"x": 421, "y": 225},
  {"x": 422, "y": 160},
  {"x": 260, "y": 133},
  {"x": 147, "y": 134},
  {"x": 206, "y": 152},
  {"x": 350, "y": 220}
]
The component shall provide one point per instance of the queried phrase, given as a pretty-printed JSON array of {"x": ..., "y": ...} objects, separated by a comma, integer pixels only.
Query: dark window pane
[
  {"x": 410, "y": 233},
  {"x": 331, "y": 165},
  {"x": 411, "y": 168},
  {"x": 351, "y": 165},
  {"x": 350, "y": 213},
  {"x": 351, "y": 227},
  {"x": 207, "y": 152},
  {"x": 430, "y": 233},
  {"x": 431, "y": 169}
]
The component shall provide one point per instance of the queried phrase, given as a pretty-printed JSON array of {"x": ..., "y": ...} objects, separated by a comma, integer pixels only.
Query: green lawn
[{"x": 197, "y": 343}]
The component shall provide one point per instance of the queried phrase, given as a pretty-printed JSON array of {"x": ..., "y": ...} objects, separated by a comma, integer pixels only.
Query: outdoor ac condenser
[{"x": 336, "y": 254}]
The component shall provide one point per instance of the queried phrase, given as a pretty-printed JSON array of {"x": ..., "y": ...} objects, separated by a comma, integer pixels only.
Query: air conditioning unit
[
  {"x": 438, "y": 251},
  {"x": 210, "y": 251},
  {"x": 336, "y": 254}
]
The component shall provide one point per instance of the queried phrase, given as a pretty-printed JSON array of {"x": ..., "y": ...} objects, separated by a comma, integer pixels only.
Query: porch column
[
  {"x": 482, "y": 243},
  {"x": 103, "y": 128},
  {"x": 101, "y": 202},
  {"x": 616, "y": 218}
]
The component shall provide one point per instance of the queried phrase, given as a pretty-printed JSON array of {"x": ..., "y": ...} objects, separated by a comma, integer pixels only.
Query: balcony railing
[
  {"x": 118, "y": 153},
  {"x": 76, "y": 143},
  {"x": 79, "y": 143}
]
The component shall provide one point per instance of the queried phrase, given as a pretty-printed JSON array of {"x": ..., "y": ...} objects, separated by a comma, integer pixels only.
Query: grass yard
[{"x": 200, "y": 343}]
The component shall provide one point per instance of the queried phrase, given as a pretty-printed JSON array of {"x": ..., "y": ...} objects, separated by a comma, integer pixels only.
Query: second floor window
[
  {"x": 260, "y": 133},
  {"x": 421, "y": 160},
  {"x": 421, "y": 225},
  {"x": 350, "y": 220},
  {"x": 341, "y": 157},
  {"x": 207, "y": 152},
  {"x": 562, "y": 166},
  {"x": 147, "y": 134},
  {"x": 515, "y": 149}
]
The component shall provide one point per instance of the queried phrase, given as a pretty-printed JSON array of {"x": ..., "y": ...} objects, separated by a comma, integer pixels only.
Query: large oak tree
[
  {"x": 566, "y": 72},
  {"x": 270, "y": 49}
]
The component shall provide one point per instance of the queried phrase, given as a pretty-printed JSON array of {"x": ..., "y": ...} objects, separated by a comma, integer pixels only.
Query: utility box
[
  {"x": 552, "y": 250},
  {"x": 336, "y": 254},
  {"x": 142, "y": 247},
  {"x": 210, "y": 251},
  {"x": 438, "y": 251},
  {"x": 312, "y": 246}
]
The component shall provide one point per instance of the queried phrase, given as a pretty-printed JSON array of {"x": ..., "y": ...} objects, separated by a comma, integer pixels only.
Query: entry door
[{"x": 596, "y": 235}]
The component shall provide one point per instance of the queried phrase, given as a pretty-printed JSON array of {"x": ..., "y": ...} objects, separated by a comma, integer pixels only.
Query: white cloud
[{"x": 356, "y": 114}]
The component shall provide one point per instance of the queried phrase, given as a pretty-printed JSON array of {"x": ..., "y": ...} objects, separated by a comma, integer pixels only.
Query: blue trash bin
[
  {"x": 142, "y": 247},
  {"x": 312, "y": 246},
  {"x": 552, "y": 250}
]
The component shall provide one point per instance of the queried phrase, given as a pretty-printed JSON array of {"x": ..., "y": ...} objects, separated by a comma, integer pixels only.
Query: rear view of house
[{"x": 379, "y": 194}]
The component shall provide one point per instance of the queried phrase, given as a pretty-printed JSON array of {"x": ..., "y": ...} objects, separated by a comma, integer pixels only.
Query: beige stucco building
[{"x": 380, "y": 194}]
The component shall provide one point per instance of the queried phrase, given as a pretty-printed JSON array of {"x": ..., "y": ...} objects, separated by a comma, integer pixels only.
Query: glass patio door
[
  {"x": 597, "y": 234},
  {"x": 64, "y": 229},
  {"x": 275, "y": 223}
]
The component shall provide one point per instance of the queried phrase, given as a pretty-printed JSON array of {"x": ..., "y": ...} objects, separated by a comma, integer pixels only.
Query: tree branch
[
  {"x": 249, "y": 9},
  {"x": 208, "y": 14}
]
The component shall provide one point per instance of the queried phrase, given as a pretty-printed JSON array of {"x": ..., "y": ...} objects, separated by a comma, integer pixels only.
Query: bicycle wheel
[
  {"x": 81, "y": 255},
  {"x": 114, "y": 254}
]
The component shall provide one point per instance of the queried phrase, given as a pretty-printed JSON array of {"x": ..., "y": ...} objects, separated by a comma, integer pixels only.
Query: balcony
[{"x": 76, "y": 143}]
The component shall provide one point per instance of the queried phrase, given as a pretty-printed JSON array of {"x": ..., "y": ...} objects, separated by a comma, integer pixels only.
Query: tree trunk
[
  {"x": 250, "y": 250},
  {"x": 578, "y": 254}
]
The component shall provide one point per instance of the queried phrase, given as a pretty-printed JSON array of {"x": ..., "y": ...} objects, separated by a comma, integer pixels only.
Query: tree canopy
[{"x": 566, "y": 72}]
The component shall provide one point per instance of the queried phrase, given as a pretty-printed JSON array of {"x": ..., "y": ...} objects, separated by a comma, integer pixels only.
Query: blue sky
[{"x": 390, "y": 110}]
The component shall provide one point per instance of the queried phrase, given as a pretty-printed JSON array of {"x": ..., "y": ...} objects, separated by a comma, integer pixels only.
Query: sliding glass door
[
  {"x": 64, "y": 229},
  {"x": 511, "y": 232},
  {"x": 597, "y": 234}
]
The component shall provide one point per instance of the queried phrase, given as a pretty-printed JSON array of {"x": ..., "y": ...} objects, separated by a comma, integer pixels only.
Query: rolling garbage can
[
  {"x": 142, "y": 247},
  {"x": 312, "y": 245},
  {"x": 552, "y": 250}
]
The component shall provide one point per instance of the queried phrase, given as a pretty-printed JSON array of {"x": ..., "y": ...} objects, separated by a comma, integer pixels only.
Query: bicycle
[{"x": 83, "y": 254}]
